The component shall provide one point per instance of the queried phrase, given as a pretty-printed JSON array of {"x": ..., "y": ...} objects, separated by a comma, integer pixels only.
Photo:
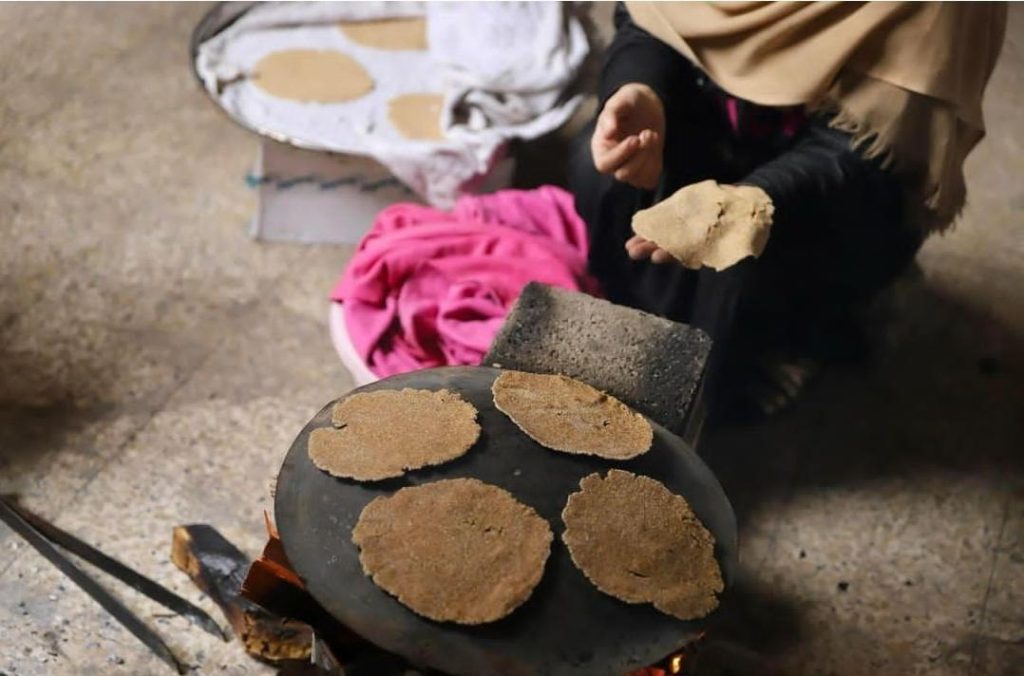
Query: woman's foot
[
  {"x": 776, "y": 382},
  {"x": 766, "y": 382}
]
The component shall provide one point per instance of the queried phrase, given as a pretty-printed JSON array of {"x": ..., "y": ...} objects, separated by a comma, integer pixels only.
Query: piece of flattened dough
[
  {"x": 417, "y": 116},
  {"x": 312, "y": 76},
  {"x": 569, "y": 415},
  {"x": 398, "y": 34},
  {"x": 380, "y": 435},
  {"x": 457, "y": 550},
  {"x": 707, "y": 224},
  {"x": 637, "y": 541}
]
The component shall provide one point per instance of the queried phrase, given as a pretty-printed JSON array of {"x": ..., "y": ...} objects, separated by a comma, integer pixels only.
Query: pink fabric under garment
[{"x": 431, "y": 288}]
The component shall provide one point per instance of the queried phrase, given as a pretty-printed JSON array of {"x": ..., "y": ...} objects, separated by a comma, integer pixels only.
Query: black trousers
[{"x": 838, "y": 237}]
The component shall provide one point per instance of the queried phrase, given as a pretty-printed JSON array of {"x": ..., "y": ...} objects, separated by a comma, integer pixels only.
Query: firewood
[{"x": 218, "y": 568}]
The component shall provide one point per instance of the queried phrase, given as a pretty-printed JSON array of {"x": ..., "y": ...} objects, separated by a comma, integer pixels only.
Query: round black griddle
[{"x": 567, "y": 626}]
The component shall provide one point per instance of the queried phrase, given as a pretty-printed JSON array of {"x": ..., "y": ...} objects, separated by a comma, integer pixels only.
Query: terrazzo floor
[{"x": 155, "y": 363}]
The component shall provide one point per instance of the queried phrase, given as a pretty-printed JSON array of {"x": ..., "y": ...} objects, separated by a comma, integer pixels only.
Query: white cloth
[{"x": 502, "y": 67}]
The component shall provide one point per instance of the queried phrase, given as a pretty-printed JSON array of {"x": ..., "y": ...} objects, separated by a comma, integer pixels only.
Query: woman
[{"x": 854, "y": 119}]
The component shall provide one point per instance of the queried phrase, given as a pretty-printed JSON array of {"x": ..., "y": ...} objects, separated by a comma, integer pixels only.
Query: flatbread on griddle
[
  {"x": 458, "y": 550},
  {"x": 382, "y": 434},
  {"x": 568, "y": 415},
  {"x": 637, "y": 541}
]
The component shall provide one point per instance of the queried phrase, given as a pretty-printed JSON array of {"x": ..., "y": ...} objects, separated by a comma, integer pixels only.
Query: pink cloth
[{"x": 431, "y": 288}]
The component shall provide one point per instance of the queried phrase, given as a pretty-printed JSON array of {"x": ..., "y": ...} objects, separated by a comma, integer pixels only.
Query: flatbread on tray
[
  {"x": 637, "y": 541},
  {"x": 312, "y": 75},
  {"x": 458, "y": 550},
  {"x": 569, "y": 415},
  {"x": 417, "y": 116},
  {"x": 379, "y": 435},
  {"x": 397, "y": 34}
]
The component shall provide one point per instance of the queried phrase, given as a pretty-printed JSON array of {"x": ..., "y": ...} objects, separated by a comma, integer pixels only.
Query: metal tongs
[{"x": 43, "y": 535}]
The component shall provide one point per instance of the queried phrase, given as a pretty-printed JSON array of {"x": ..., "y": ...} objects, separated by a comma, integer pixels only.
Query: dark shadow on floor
[
  {"x": 941, "y": 393},
  {"x": 51, "y": 413}
]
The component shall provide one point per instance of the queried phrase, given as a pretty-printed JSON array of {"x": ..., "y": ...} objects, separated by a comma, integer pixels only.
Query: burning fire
[
  {"x": 670, "y": 665},
  {"x": 673, "y": 664}
]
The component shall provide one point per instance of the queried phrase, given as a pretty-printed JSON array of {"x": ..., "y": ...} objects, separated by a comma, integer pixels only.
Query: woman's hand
[
  {"x": 629, "y": 136},
  {"x": 639, "y": 249}
]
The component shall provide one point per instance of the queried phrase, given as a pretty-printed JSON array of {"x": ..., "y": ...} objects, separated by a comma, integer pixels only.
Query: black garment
[{"x": 838, "y": 235}]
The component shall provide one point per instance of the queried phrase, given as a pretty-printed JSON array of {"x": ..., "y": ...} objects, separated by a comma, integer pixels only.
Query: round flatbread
[
  {"x": 417, "y": 116},
  {"x": 379, "y": 435},
  {"x": 390, "y": 34},
  {"x": 637, "y": 541},
  {"x": 457, "y": 550},
  {"x": 570, "y": 416},
  {"x": 312, "y": 76}
]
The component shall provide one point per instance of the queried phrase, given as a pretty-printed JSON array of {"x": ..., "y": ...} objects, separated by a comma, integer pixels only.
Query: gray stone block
[{"x": 653, "y": 364}]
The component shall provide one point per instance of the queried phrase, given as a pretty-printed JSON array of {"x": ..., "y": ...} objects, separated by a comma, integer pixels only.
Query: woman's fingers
[
  {"x": 642, "y": 171},
  {"x": 648, "y": 176},
  {"x": 661, "y": 256},
  {"x": 634, "y": 166},
  {"x": 634, "y": 242},
  {"x": 609, "y": 122},
  {"x": 619, "y": 105},
  {"x": 648, "y": 138},
  {"x": 644, "y": 167},
  {"x": 633, "y": 169},
  {"x": 615, "y": 143},
  {"x": 608, "y": 125},
  {"x": 607, "y": 160},
  {"x": 639, "y": 249}
]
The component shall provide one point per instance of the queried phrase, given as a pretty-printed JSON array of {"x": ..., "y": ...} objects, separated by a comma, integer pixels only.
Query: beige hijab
[{"x": 905, "y": 79}]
